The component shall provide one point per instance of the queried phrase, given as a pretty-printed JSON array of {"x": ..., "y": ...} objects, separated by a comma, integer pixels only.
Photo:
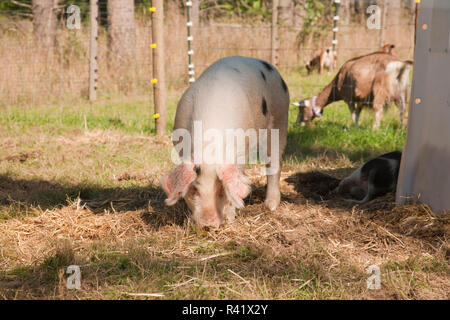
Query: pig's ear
[
  {"x": 236, "y": 186},
  {"x": 176, "y": 183}
]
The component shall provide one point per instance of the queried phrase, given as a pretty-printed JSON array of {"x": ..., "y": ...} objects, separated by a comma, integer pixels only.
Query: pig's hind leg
[
  {"x": 349, "y": 185},
  {"x": 380, "y": 180},
  {"x": 370, "y": 193}
]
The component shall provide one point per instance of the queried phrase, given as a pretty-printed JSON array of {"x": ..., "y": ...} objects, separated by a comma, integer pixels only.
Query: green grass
[
  {"x": 134, "y": 115},
  {"x": 333, "y": 133}
]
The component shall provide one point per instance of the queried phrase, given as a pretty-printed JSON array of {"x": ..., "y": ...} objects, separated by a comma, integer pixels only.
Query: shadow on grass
[
  {"x": 19, "y": 196},
  {"x": 316, "y": 187}
]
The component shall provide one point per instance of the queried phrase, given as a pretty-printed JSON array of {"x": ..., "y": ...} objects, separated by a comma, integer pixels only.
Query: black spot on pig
[
  {"x": 264, "y": 106},
  {"x": 236, "y": 69},
  {"x": 384, "y": 173},
  {"x": 267, "y": 66},
  {"x": 283, "y": 84},
  {"x": 263, "y": 76}
]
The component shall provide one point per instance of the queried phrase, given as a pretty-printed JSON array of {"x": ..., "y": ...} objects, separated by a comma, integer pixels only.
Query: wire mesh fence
[{"x": 32, "y": 72}]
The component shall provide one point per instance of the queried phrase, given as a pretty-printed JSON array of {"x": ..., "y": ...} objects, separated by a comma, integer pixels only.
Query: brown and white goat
[
  {"x": 372, "y": 80},
  {"x": 322, "y": 58}
]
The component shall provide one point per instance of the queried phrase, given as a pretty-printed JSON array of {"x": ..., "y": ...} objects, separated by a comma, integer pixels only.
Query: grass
[
  {"x": 86, "y": 192},
  {"x": 334, "y": 132},
  {"x": 115, "y": 113}
]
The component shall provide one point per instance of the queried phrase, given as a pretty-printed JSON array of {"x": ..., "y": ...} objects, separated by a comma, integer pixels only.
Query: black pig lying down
[{"x": 375, "y": 178}]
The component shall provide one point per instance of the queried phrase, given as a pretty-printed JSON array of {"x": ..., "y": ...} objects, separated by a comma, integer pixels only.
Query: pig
[
  {"x": 233, "y": 93},
  {"x": 375, "y": 178}
]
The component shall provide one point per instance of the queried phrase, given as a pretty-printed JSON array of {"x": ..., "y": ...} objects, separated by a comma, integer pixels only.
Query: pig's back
[{"x": 235, "y": 92}]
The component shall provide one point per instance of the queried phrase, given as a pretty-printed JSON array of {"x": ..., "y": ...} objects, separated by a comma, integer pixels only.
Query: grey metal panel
[
  {"x": 440, "y": 41},
  {"x": 425, "y": 168}
]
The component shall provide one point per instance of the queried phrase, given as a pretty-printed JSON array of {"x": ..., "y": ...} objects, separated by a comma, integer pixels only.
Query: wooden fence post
[
  {"x": 159, "y": 78},
  {"x": 93, "y": 46},
  {"x": 274, "y": 37}
]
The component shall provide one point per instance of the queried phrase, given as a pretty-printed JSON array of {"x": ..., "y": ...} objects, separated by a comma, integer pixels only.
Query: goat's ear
[
  {"x": 236, "y": 186},
  {"x": 176, "y": 183}
]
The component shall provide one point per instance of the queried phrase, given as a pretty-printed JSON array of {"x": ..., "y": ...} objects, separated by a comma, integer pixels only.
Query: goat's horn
[{"x": 299, "y": 104}]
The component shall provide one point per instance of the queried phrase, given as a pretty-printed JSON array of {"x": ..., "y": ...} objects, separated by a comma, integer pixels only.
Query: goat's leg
[
  {"x": 358, "y": 110},
  {"x": 402, "y": 109},
  {"x": 351, "y": 107},
  {"x": 378, "y": 107}
]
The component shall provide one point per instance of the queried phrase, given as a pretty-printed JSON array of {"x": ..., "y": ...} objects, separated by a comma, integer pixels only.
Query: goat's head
[
  {"x": 308, "y": 67},
  {"x": 388, "y": 48},
  {"x": 307, "y": 111}
]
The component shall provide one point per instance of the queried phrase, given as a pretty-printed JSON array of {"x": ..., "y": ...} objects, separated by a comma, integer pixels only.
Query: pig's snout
[
  {"x": 210, "y": 223},
  {"x": 209, "y": 218}
]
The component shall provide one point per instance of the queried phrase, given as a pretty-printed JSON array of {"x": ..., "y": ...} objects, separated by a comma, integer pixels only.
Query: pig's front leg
[
  {"x": 273, "y": 195},
  {"x": 273, "y": 168}
]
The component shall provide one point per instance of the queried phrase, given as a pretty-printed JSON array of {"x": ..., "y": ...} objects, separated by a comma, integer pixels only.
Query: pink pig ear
[
  {"x": 176, "y": 183},
  {"x": 236, "y": 186}
]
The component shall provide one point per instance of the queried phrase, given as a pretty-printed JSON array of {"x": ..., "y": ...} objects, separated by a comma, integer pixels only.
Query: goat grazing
[
  {"x": 322, "y": 58},
  {"x": 372, "y": 80}
]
